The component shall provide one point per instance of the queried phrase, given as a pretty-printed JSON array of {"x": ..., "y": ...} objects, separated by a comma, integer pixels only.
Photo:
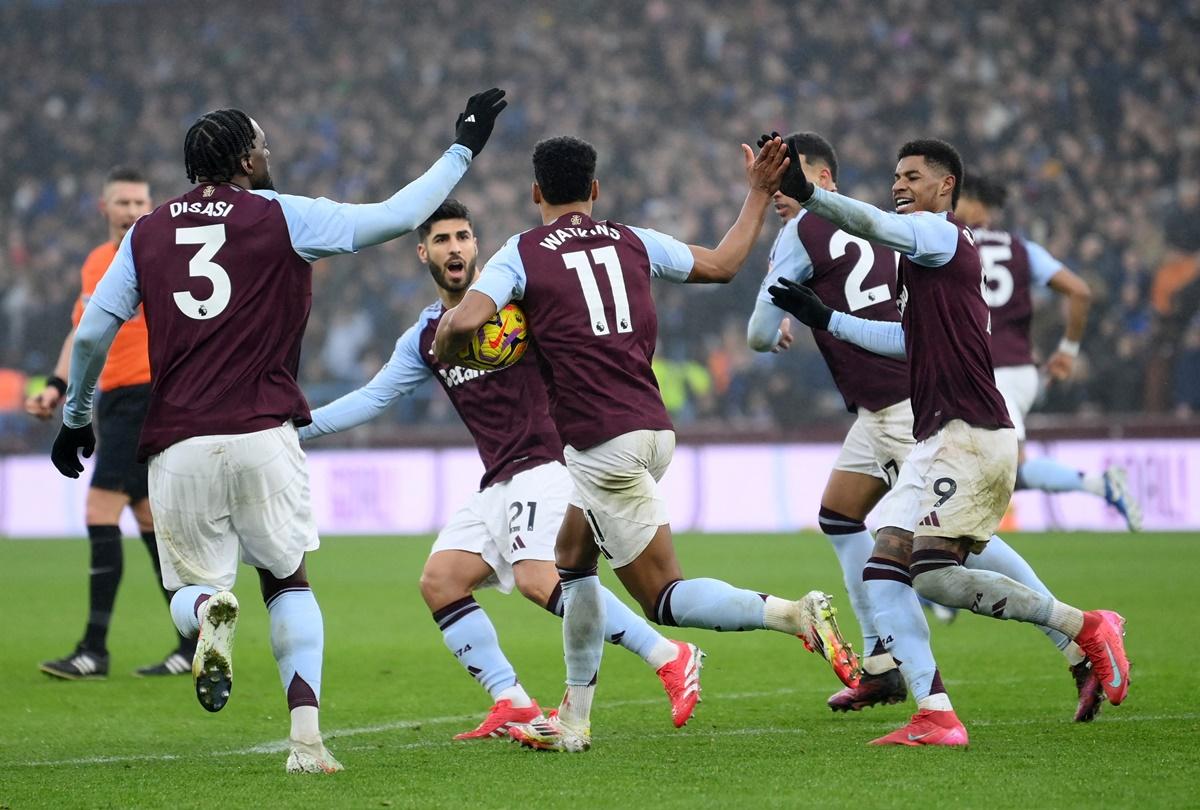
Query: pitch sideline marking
[{"x": 280, "y": 746}]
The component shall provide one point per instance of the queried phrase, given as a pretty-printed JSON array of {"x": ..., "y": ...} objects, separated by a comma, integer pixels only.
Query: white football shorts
[
  {"x": 1019, "y": 387},
  {"x": 213, "y": 496},
  {"x": 510, "y": 521},
  {"x": 956, "y": 483},
  {"x": 878, "y": 442},
  {"x": 616, "y": 486}
]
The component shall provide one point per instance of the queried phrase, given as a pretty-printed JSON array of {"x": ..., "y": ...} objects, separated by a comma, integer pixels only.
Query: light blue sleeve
[
  {"x": 321, "y": 227},
  {"x": 93, "y": 337},
  {"x": 1042, "y": 266},
  {"x": 670, "y": 259},
  {"x": 930, "y": 240},
  {"x": 503, "y": 277},
  {"x": 881, "y": 337},
  {"x": 118, "y": 292},
  {"x": 402, "y": 373},
  {"x": 789, "y": 259}
]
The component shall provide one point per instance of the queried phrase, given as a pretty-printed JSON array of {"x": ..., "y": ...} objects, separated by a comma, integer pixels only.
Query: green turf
[{"x": 763, "y": 737}]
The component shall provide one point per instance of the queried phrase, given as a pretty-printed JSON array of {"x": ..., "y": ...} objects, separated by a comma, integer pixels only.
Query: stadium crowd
[{"x": 1090, "y": 111}]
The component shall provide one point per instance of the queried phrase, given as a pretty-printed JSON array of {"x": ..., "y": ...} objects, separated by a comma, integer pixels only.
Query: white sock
[
  {"x": 663, "y": 653},
  {"x": 517, "y": 695},
  {"x": 781, "y": 615},
  {"x": 304, "y": 725},
  {"x": 183, "y": 608},
  {"x": 1094, "y": 483},
  {"x": 576, "y": 707}
]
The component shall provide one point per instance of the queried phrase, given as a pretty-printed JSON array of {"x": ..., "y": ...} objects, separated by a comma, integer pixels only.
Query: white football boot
[{"x": 212, "y": 666}]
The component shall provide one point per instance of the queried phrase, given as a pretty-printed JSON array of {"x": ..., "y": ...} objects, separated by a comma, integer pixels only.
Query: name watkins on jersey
[
  {"x": 208, "y": 209},
  {"x": 554, "y": 241}
]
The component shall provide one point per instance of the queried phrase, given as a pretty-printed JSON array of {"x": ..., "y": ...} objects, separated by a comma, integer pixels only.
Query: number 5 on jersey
[
  {"x": 210, "y": 238},
  {"x": 607, "y": 258}
]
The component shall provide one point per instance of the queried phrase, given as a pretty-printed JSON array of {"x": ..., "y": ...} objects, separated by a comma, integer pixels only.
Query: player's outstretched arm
[
  {"x": 399, "y": 377},
  {"x": 412, "y": 205},
  {"x": 93, "y": 337},
  {"x": 460, "y": 323},
  {"x": 768, "y": 330},
  {"x": 928, "y": 239},
  {"x": 881, "y": 337},
  {"x": 763, "y": 175}
]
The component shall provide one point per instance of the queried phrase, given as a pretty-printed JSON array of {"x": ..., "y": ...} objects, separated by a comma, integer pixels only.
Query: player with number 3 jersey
[
  {"x": 585, "y": 284},
  {"x": 224, "y": 278}
]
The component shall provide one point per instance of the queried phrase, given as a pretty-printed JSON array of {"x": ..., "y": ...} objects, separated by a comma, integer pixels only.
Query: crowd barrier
[{"x": 709, "y": 488}]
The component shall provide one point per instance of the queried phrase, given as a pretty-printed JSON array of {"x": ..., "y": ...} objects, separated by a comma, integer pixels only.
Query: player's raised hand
[
  {"x": 785, "y": 337},
  {"x": 795, "y": 183},
  {"x": 1060, "y": 366},
  {"x": 42, "y": 405},
  {"x": 801, "y": 302},
  {"x": 474, "y": 124},
  {"x": 765, "y": 171},
  {"x": 65, "y": 453}
]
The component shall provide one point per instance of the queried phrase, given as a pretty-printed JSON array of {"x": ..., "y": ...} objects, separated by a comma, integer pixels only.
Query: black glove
[
  {"x": 762, "y": 139},
  {"x": 795, "y": 183},
  {"x": 65, "y": 453},
  {"x": 474, "y": 124},
  {"x": 801, "y": 302}
]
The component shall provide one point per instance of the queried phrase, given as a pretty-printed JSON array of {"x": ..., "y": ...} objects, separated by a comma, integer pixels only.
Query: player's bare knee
[
  {"x": 440, "y": 587},
  {"x": 893, "y": 543},
  {"x": 536, "y": 580},
  {"x": 271, "y": 585}
]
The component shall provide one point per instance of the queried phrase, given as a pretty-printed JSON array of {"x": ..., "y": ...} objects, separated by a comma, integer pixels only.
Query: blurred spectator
[{"x": 1090, "y": 109}]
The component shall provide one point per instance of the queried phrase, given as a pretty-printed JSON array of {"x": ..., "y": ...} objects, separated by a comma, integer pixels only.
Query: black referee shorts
[{"x": 119, "y": 416}]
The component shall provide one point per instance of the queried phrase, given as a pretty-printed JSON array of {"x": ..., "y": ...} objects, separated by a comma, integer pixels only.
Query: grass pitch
[{"x": 763, "y": 737}]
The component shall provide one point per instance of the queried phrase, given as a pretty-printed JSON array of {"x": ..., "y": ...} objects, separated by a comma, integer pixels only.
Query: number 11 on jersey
[{"x": 607, "y": 258}]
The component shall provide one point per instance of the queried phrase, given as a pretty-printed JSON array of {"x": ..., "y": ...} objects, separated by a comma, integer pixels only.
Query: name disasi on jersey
[{"x": 219, "y": 208}]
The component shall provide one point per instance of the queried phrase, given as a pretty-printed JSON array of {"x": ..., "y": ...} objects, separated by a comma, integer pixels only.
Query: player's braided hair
[
  {"x": 988, "y": 190},
  {"x": 564, "y": 168},
  {"x": 215, "y": 145},
  {"x": 940, "y": 154}
]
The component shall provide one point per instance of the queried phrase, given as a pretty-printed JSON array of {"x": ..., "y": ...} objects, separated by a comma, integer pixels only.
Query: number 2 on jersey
[
  {"x": 856, "y": 297},
  {"x": 606, "y": 257},
  {"x": 210, "y": 238}
]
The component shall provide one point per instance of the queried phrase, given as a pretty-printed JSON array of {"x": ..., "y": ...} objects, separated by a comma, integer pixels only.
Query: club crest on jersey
[
  {"x": 902, "y": 299},
  {"x": 208, "y": 191},
  {"x": 576, "y": 219}
]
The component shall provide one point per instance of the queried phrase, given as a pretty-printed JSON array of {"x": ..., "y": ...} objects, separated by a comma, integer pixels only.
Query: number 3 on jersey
[
  {"x": 210, "y": 238},
  {"x": 607, "y": 258}
]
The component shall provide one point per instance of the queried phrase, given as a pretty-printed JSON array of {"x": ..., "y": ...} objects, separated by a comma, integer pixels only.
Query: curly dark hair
[
  {"x": 216, "y": 143},
  {"x": 564, "y": 167},
  {"x": 937, "y": 153}
]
